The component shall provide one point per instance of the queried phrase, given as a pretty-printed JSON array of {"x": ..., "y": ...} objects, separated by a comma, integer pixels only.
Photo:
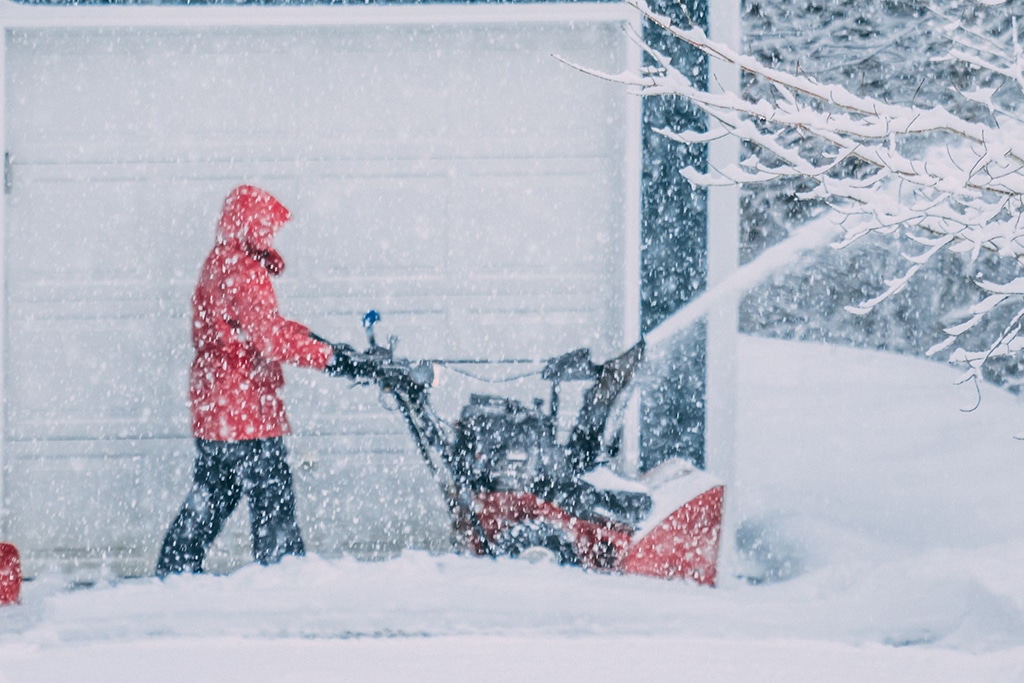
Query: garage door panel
[
  {"x": 456, "y": 178},
  {"x": 538, "y": 334},
  {"x": 48, "y": 298},
  {"x": 329, "y": 90},
  {"x": 99, "y": 378},
  {"x": 85, "y": 231},
  {"x": 518, "y": 227},
  {"x": 124, "y": 236},
  {"x": 80, "y": 506},
  {"x": 386, "y": 224}
]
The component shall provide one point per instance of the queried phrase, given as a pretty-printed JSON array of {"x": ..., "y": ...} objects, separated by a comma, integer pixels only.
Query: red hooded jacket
[{"x": 239, "y": 336}]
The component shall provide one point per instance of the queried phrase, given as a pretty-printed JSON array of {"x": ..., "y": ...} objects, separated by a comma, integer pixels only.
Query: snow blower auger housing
[{"x": 513, "y": 490}]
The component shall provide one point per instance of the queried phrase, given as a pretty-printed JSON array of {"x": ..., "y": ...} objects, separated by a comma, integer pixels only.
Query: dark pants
[{"x": 224, "y": 470}]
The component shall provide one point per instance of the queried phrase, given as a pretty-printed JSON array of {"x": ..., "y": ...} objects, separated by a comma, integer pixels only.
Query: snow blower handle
[
  {"x": 379, "y": 364},
  {"x": 375, "y": 364}
]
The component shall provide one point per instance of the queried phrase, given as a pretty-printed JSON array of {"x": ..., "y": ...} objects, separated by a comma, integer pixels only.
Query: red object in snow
[
  {"x": 10, "y": 574},
  {"x": 684, "y": 544}
]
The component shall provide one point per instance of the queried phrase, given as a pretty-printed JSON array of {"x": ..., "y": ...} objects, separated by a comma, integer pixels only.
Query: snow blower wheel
[{"x": 535, "y": 541}]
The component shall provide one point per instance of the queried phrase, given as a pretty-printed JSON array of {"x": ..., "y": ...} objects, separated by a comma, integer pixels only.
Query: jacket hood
[{"x": 252, "y": 217}]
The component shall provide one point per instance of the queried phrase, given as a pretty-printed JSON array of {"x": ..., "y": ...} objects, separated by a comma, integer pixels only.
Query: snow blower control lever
[{"x": 369, "y": 320}]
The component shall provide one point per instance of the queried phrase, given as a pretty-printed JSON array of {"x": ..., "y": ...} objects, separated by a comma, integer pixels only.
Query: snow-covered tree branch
[{"x": 935, "y": 175}]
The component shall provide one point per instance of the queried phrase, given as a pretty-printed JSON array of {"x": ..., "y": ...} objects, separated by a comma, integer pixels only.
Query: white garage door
[{"x": 453, "y": 176}]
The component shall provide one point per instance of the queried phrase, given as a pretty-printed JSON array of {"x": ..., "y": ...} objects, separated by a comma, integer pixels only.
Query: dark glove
[{"x": 341, "y": 364}]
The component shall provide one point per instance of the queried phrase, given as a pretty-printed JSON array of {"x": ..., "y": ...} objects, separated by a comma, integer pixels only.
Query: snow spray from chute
[{"x": 785, "y": 254}]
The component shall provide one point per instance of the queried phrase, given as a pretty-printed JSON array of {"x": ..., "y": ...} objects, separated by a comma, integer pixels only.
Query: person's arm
[{"x": 275, "y": 337}]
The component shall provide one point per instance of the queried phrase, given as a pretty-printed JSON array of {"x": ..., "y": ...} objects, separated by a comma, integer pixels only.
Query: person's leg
[
  {"x": 267, "y": 481},
  {"x": 214, "y": 494}
]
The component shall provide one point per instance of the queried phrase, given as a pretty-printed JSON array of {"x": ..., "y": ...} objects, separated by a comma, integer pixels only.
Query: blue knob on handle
[{"x": 371, "y": 318}]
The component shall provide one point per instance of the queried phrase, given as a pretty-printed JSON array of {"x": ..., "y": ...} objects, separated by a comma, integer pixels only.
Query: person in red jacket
[{"x": 238, "y": 417}]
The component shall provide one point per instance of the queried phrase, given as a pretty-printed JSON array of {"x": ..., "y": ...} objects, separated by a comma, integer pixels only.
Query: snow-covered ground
[{"x": 886, "y": 524}]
